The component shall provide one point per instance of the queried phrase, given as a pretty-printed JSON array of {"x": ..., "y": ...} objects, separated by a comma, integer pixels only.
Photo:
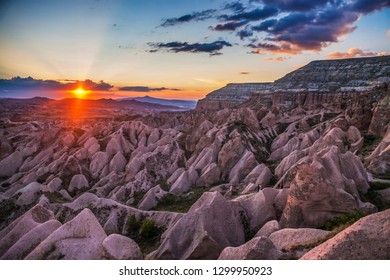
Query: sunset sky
[{"x": 176, "y": 48}]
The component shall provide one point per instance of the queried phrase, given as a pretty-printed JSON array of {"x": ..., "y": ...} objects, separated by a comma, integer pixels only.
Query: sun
[{"x": 80, "y": 92}]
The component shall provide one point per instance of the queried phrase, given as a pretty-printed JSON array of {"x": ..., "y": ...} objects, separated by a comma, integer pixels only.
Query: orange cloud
[
  {"x": 276, "y": 58},
  {"x": 388, "y": 33},
  {"x": 355, "y": 52}
]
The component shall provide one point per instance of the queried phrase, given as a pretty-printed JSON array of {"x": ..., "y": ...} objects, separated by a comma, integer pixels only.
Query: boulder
[
  {"x": 281, "y": 201},
  {"x": 22, "y": 225},
  {"x": 258, "y": 209},
  {"x": 118, "y": 163},
  {"x": 210, "y": 225},
  {"x": 29, "y": 194},
  {"x": 78, "y": 183},
  {"x": 381, "y": 118},
  {"x": 229, "y": 155},
  {"x": 98, "y": 162},
  {"x": 264, "y": 178},
  {"x": 30, "y": 240},
  {"x": 184, "y": 182},
  {"x": 259, "y": 248},
  {"x": 313, "y": 200},
  {"x": 269, "y": 228},
  {"x": 210, "y": 176},
  {"x": 11, "y": 164},
  {"x": 288, "y": 162},
  {"x": 379, "y": 160},
  {"x": 79, "y": 239},
  {"x": 68, "y": 140},
  {"x": 254, "y": 174},
  {"x": 384, "y": 197},
  {"x": 367, "y": 239},
  {"x": 119, "y": 247},
  {"x": 242, "y": 168},
  {"x": 55, "y": 184},
  {"x": 290, "y": 238},
  {"x": 151, "y": 198}
]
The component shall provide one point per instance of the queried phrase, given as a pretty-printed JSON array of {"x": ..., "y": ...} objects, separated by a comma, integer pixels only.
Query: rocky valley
[{"x": 294, "y": 169}]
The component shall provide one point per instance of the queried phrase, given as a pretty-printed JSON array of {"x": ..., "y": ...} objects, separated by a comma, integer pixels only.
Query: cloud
[
  {"x": 245, "y": 33},
  {"x": 29, "y": 83},
  {"x": 297, "y": 31},
  {"x": 195, "y": 16},
  {"x": 253, "y": 15},
  {"x": 176, "y": 47},
  {"x": 146, "y": 89},
  {"x": 388, "y": 33},
  {"x": 285, "y": 26},
  {"x": 296, "y": 5},
  {"x": 355, "y": 52},
  {"x": 276, "y": 58},
  {"x": 368, "y": 6},
  {"x": 244, "y": 73},
  {"x": 228, "y": 26},
  {"x": 283, "y": 48},
  {"x": 235, "y": 7}
]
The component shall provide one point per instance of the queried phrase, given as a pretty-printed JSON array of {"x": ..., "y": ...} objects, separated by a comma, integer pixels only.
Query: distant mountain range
[
  {"x": 16, "y": 109},
  {"x": 183, "y": 104}
]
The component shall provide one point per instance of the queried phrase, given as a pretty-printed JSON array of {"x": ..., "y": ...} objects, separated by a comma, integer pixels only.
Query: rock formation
[{"x": 255, "y": 171}]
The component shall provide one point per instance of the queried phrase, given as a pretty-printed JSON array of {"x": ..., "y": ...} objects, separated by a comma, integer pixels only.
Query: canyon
[{"x": 294, "y": 169}]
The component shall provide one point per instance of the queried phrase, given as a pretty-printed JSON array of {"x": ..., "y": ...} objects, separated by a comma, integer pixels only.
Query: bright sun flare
[{"x": 80, "y": 92}]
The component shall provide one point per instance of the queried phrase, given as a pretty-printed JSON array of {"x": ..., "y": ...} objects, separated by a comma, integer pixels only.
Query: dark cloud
[
  {"x": 244, "y": 73},
  {"x": 29, "y": 83},
  {"x": 91, "y": 85},
  {"x": 254, "y": 15},
  {"x": 176, "y": 47},
  {"x": 235, "y": 7},
  {"x": 282, "y": 26},
  {"x": 195, "y": 16},
  {"x": 245, "y": 33},
  {"x": 368, "y": 6},
  {"x": 313, "y": 30},
  {"x": 146, "y": 89},
  {"x": 228, "y": 26},
  {"x": 265, "y": 25},
  {"x": 262, "y": 48},
  {"x": 296, "y": 5}
]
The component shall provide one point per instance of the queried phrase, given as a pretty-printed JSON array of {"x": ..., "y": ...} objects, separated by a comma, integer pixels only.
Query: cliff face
[
  {"x": 233, "y": 94},
  {"x": 333, "y": 82},
  {"x": 381, "y": 115}
]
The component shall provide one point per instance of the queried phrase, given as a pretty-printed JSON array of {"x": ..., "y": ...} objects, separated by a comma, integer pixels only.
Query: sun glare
[{"x": 80, "y": 92}]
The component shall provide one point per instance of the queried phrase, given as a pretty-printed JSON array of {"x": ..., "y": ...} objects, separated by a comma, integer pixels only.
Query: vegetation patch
[
  {"x": 138, "y": 196},
  {"x": 385, "y": 176},
  {"x": 376, "y": 186},
  {"x": 344, "y": 220},
  {"x": 239, "y": 125},
  {"x": 144, "y": 232},
  {"x": 180, "y": 203},
  {"x": 314, "y": 120},
  {"x": 369, "y": 144}
]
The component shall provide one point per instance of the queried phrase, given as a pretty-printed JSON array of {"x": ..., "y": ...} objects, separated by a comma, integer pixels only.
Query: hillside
[{"x": 298, "y": 168}]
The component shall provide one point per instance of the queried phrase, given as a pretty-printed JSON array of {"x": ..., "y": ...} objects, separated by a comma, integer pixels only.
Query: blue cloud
[
  {"x": 195, "y": 16},
  {"x": 176, "y": 47}
]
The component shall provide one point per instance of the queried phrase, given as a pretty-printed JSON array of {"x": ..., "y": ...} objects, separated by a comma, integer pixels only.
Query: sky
[{"x": 176, "y": 48}]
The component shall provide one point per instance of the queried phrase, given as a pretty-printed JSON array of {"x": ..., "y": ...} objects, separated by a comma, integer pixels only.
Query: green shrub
[
  {"x": 344, "y": 219},
  {"x": 385, "y": 176},
  {"x": 148, "y": 229},
  {"x": 379, "y": 185},
  {"x": 180, "y": 203},
  {"x": 133, "y": 224}
]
